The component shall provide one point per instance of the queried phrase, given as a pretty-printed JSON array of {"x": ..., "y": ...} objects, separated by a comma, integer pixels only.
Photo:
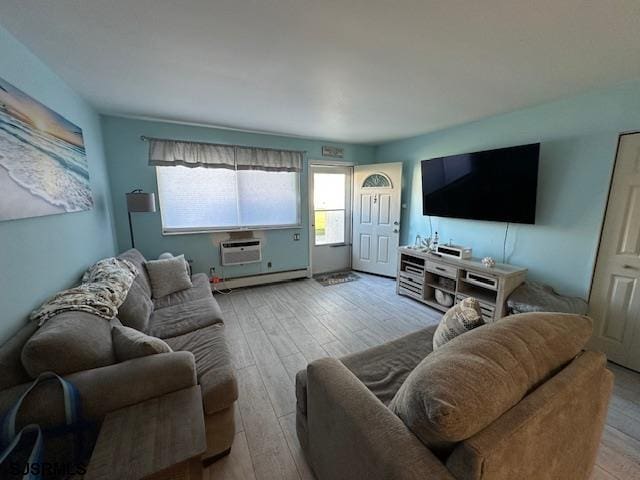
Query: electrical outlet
[
  {"x": 268, "y": 264},
  {"x": 296, "y": 236}
]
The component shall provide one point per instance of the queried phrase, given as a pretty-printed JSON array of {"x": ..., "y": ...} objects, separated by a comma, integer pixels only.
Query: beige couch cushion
[
  {"x": 383, "y": 368},
  {"x": 184, "y": 317},
  {"x": 201, "y": 288},
  {"x": 129, "y": 343},
  {"x": 67, "y": 343},
  {"x": 136, "y": 309},
  {"x": 464, "y": 386},
  {"x": 213, "y": 365},
  {"x": 459, "y": 319},
  {"x": 135, "y": 257},
  {"x": 12, "y": 371}
]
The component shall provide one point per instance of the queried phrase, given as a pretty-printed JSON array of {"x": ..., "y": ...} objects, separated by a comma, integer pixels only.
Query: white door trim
[{"x": 310, "y": 210}]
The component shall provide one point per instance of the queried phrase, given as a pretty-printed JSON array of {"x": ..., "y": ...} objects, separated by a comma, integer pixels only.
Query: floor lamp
[{"x": 139, "y": 201}]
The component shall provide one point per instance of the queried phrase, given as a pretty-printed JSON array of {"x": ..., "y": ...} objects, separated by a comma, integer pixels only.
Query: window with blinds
[
  {"x": 207, "y": 187},
  {"x": 203, "y": 199}
]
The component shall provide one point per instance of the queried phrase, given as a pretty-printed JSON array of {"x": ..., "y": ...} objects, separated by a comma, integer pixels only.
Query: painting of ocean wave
[{"x": 43, "y": 163}]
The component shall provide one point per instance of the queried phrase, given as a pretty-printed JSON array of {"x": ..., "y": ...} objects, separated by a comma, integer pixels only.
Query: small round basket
[{"x": 443, "y": 298}]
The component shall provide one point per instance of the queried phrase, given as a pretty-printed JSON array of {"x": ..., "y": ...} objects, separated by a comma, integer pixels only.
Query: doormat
[{"x": 327, "y": 279}]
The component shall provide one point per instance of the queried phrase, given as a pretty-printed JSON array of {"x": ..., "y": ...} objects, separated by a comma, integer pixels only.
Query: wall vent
[{"x": 238, "y": 252}]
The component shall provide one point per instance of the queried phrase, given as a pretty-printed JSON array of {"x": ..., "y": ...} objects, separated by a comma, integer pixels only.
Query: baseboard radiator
[{"x": 262, "y": 279}]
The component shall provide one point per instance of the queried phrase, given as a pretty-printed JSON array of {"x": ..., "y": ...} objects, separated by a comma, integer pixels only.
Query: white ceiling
[{"x": 351, "y": 70}]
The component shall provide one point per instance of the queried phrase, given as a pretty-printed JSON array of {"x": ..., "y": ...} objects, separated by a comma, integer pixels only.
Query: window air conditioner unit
[{"x": 238, "y": 252}]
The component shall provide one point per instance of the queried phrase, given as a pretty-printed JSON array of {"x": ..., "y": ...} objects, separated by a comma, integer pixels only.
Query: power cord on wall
[
  {"x": 504, "y": 244},
  {"x": 224, "y": 291}
]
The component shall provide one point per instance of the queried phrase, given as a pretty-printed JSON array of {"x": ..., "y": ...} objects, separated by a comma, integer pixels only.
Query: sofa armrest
[
  {"x": 109, "y": 388},
  {"x": 352, "y": 435}
]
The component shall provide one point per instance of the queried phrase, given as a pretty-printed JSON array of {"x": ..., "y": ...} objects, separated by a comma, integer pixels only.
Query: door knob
[
  {"x": 395, "y": 230},
  {"x": 630, "y": 267},
  {"x": 396, "y": 223}
]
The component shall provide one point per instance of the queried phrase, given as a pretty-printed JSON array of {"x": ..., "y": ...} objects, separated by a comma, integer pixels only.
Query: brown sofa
[
  {"x": 512, "y": 400},
  {"x": 79, "y": 346}
]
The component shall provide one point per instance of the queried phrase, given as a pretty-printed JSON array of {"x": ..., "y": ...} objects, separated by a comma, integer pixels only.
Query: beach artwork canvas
[{"x": 43, "y": 163}]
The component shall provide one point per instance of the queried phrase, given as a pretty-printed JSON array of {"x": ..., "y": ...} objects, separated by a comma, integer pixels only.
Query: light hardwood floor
[{"x": 274, "y": 331}]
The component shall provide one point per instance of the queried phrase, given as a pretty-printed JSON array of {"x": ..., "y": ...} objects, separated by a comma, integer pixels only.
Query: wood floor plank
[
  {"x": 619, "y": 420},
  {"x": 293, "y": 364},
  {"x": 276, "y": 380},
  {"x": 288, "y": 424},
  {"x": 248, "y": 321},
  {"x": 237, "y": 418},
  {"x": 599, "y": 474},
  {"x": 255, "y": 297},
  {"x": 307, "y": 345},
  {"x": 315, "y": 327},
  {"x": 277, "y": 335},
  {"x": 336, "y": 349},
  {"x": 342, "y": 333},
  {"x": 241, "y": 355},
  {"x": 619, "y": 454},
  {"x": 224, "y": 301},
  {"x": 261, "y": 425},
  {"x": 369, "y": 337},
  {"x": 278, "y": 463},
  {"x": 235, "y": 466},
  {"x": 279, "y": 308}
]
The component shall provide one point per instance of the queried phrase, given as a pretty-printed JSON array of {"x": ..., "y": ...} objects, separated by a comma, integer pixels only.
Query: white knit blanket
[{"x": 103, "y": 289}]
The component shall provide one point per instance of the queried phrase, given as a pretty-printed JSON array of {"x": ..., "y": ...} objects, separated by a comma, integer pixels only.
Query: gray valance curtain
[{"x": 211, "y": 155}]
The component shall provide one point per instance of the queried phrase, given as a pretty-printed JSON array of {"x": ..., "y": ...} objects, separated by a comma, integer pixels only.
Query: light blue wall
[
  {"x": 128, "y": 169},
  {"x": 578, "y": 140},
  {"x": 39, "y": 256}
]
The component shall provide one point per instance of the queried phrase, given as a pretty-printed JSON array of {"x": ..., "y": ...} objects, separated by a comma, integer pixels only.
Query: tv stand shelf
[{"x": 421, "y": 273}]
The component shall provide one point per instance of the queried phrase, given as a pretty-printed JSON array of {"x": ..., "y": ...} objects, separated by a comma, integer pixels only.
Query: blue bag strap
[
  {"x": 71, "y": 406},
  {"x": 36, "y": 451}
]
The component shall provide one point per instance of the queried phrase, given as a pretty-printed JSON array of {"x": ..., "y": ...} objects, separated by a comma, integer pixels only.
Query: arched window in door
[{"x": 377, "y": 180}]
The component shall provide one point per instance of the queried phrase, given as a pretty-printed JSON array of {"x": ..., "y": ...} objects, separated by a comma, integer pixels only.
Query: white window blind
[
  {"x": 205, "y": 187},
  {"x": 202, "y": 199}
]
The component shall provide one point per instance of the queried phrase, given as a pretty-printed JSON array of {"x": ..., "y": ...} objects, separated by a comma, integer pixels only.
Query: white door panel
[
  {"x": 383, "y": 249},
  {"x": 384, "y": 212},
  {"x": 365, "y": 248},
  {"x": 615, "y": 295},
  {"x": 365, "y": 209},
  {"x": 376, "y": 219}
]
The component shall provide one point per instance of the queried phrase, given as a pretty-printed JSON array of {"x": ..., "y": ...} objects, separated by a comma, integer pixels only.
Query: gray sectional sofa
[
  {"x": 517, "y": 399},
  {"x": 78, "y": 346}
]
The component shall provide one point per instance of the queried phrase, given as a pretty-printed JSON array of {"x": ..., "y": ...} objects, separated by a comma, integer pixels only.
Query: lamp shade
[{"x": 141, "y": 202}]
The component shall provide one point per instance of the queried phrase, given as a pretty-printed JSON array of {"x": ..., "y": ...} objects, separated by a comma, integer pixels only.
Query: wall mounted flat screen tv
[{"x": 497, "y": 185}]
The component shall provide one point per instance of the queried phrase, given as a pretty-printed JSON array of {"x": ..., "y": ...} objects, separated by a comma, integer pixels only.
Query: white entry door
[
  {"x": 376, "y": 217},
  {"x": 330, "y": 213},
  {"x": 615, "y": 295}
]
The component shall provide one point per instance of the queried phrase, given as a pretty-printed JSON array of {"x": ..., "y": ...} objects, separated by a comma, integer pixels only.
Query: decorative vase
[{"x": 488, "y": 262}]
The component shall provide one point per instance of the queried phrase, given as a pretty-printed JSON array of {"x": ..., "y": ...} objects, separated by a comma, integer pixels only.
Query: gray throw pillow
[
  {"x": 129, "y": 343},
  {"x": 167, "y": 276},
  {"x": 136, "y": 309},
  {"x": 69, "y": 342},
  {"x": 460, "y": 318}
]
